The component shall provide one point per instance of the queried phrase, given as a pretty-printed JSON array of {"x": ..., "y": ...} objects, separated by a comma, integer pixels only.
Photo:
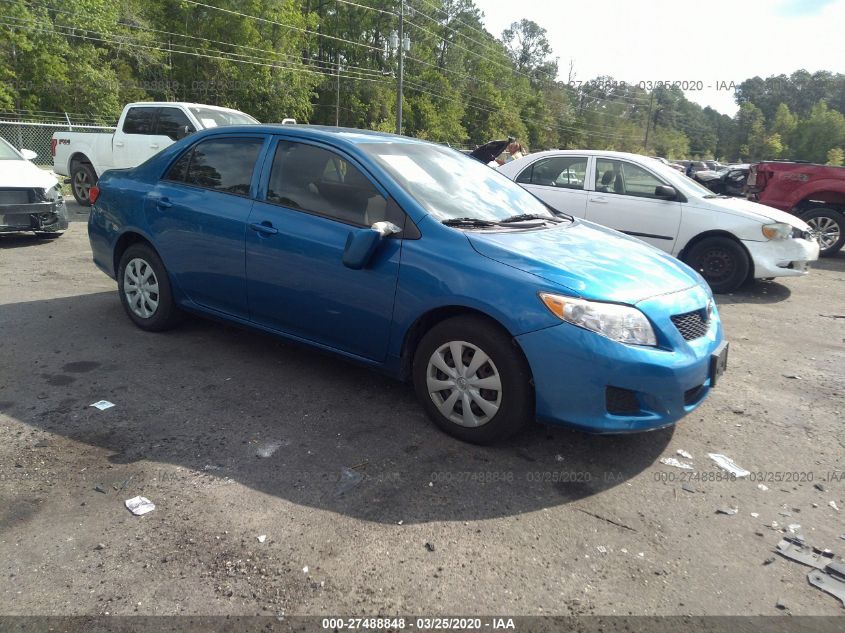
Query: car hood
[
  {"x": 754, "y": 210},
  {"x": 22, "y": 173},
  {"x": 589, "y": 260}
]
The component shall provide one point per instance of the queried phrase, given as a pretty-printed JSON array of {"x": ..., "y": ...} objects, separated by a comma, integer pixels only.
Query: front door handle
[
  {"x": 118, "y": 143},
  {"x": 265, "y": 228},
  {"x": 153, "y": 145},
  {"x": 600, "y": 200},
  {"x": 163, "y": 203}
]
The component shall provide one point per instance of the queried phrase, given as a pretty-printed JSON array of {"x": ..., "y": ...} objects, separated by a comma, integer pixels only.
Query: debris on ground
[
  {"x": 827, "y": 575},
  {"x": 780, "y": 604},
  {"x": 831, "y": 580},
  {"x": 769, "y": 560},
  {"x": 819, "y": 487},
  {"x": 305, "y": 569},
  {"x": 262, "y": 538},
  {"x": 763, "y": 487},
  {"x": 102, "y": 405},
  {"x": 100, "y": 488},
  {"x": 726, "y": 463},
  {"x": 671, "y": 461},
  {"x": 601, "y": 549},
  {"x": 792, "y": 376},
  {"x": 793, "y": 527},
  {"x": 139, "y": 506},
  {"x": 100, "y": 546},
  {"x": 266, "y": 450},
  {"x": 833, "y": 505},
  {"x": 558, "y": 457},
  {"x": 688, "y": 487},
  {"x": 726, "y": 510},
  {"x": 755, "y": 514},
  {"x": 429, "y": 546},
  {"x": 348, "y": 480},
  {"x": 684, "y": 454}
]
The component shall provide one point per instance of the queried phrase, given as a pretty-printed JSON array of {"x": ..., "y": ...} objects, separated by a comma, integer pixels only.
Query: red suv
[{"x": 815, "y": 193}]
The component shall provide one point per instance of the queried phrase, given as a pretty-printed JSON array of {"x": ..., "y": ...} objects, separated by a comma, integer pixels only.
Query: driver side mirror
[
  {"x": 183, "y": 131},
  {"x": 362, "y": 244},
  {"x": 28, "y": 154},
  {"x": 666, "y": 192}
]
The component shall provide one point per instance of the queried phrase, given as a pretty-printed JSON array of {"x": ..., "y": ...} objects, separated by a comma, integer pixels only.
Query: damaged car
[{"x": 30, "y": 198}]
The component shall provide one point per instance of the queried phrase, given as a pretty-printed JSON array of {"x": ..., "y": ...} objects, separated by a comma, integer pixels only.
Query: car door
[
  {"x": 198, "y": 214},
  {"x": 171, "y": 125},
  {"x": 131, "y": 143},
  {"x": 559, "y": 181},
  {"x": 625, "y": 199},
  {"x": 311, "y": 198}
]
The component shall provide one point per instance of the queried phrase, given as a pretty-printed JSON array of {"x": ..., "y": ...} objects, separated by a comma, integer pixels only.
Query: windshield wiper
[
  {"x": 529, "y": 216},
  {"x": 468, "y": 222}
]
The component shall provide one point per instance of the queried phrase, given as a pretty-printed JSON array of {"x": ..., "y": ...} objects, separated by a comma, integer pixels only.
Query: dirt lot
[{"x": 553, "y": 522}]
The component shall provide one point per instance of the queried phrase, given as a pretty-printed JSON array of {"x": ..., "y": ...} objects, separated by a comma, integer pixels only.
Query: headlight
[
  {"x": 620, "y": 323},
  {"x": 779, "y": 231}
]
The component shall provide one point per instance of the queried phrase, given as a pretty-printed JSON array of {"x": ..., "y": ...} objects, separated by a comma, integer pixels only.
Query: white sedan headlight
[
  {"x": 777, "y": 231},
  {"x": 620, "y": 323}
]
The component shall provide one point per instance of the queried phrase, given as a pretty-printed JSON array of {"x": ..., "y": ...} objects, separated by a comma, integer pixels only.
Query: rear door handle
[
  {"x": 153, "y": 145},
  {"x": 119, "y": 143},
  {"x": 600, "y": 200},
  {"x": 163, "y": 203},
  {"x": 265, "y": 228}
]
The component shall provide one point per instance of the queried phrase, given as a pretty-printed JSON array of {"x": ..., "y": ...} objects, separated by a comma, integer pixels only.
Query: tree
[
  {"x": 835, "y": 157},
  {"x": 822, "y": 131},
  {"x": 530, "y": 50}
]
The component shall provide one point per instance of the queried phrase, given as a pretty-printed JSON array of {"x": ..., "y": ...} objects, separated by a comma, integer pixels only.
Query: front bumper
[
  {"x": 782, "y": 258},
  {"x": 590, "y": 382},
  {"x": 43, "y": 217}
]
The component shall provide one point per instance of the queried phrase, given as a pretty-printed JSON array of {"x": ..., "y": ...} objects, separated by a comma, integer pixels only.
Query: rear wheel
[
  {"x": 722, "y": 262},
  {"x": 829, "y": 228},
  {"x": 473, "y": 380},
  {"x": 82, "y": 178},
  {"x": 144, "y": 289}
]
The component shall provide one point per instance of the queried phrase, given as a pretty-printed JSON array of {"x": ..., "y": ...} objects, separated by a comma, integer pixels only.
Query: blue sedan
[{"x": 414, "y": 259}]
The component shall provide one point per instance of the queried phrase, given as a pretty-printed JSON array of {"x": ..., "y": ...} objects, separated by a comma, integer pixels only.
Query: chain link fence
[{"x": 36, "y": 135}]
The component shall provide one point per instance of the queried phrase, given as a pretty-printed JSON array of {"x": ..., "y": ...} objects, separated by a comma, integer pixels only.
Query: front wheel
[
  {"x": 473, "y": 380},
  {"x": 144, "y": 289},
  {"x": 722, "y": 262},
  {"x": 829, "y": 227}
]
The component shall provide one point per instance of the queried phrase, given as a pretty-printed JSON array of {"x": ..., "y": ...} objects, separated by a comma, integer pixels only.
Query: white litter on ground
[
  {"x": 684, "y": 454},
  {"x": 833, "y": 505},
  {"x": 102, "y": 405},
  {"x": 763, "y": 487},
  {"x": 262, "y": 538},
  {"x": 267, "y": 450},
  {"x": 671, "y": 461},
  {"x": 139, "y": 506},
  {"x": 305, "y": 569},
  {"x": 726, "y": 463}
]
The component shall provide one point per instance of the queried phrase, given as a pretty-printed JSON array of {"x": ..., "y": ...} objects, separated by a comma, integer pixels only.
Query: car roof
[
  {"x": 589, "y": 152},
  {"x": 161, "y": 104},
  {"x": 351, "y": 136}
]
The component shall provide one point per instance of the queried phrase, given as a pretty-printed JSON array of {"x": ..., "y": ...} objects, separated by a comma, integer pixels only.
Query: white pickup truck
[{"x": 143, "y": 130}]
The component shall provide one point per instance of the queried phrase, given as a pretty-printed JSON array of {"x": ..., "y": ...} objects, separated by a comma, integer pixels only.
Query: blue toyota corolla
[{"x": 412, "y": 258}]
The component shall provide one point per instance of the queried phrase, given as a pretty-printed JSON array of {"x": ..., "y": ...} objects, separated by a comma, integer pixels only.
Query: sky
[{"x": 707, "y": 44}]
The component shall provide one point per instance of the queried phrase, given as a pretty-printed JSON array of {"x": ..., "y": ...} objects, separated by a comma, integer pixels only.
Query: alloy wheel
[
  {"x": 81, "y": 184},
  {"x": 826, "y": 230}
]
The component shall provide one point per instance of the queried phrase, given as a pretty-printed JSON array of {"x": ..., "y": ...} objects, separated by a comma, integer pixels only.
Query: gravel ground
[{"x": 552, "y": 522}]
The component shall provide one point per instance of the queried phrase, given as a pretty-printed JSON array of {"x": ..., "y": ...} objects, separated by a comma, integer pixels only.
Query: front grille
[
  {"x": 15, "y": 196},
  {"x": 691, "y": 325},
  {"x": 621, "y": 401}
]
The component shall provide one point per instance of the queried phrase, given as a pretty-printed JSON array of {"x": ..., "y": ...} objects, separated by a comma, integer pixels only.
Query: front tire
[
  {"x": 82, "y": 178},
  {"x": 722, "y": 262},
  {"x": 144, "y": 288},
  {"x": 472, "y": 380},
  {"x": 829, "y": 227}
]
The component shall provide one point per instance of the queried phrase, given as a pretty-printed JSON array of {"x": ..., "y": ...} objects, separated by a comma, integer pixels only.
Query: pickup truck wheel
[
  {"x": 829, "y": 227},
  {"x": 473, "y": 380},
  {"x": 722, "y": 262},
  {"x": 144, "y": 288},
  {"x": 82, "y": 178}
]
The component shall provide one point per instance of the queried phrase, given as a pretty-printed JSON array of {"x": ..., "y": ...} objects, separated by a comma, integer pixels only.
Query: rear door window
[
  {"x": 139, "y": 120},
  {"x": 224, "y": 165},
  {"x": 624, "y": 178},
  {"x": 568, "y": 172}
]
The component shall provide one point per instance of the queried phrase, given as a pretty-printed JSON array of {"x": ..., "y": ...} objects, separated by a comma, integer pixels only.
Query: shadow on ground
[
  {"x": 208, "y": 397},
  {"x": 757, "y": 291}
]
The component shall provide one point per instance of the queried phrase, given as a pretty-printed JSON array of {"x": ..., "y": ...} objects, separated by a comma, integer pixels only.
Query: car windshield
[
  {"x": 7, "y": 152},
  {"x": 450, "y": 185},
  {"x": 212, "y": 117}
]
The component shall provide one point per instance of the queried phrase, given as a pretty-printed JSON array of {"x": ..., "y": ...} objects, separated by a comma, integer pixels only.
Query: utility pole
[
  {"x": 337, "y": 100},
  {"x": 401, "y": 66},
  {"x": 648, "y": 122}
]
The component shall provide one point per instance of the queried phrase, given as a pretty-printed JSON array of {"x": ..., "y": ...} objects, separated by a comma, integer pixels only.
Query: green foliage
[
  {"x": 327, "y": 61},
  {"x": 835, "y": 157}
]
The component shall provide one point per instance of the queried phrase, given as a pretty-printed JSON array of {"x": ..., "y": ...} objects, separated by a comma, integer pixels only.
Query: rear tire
[
  {"x": 82, "y": 178},
  {"x": 722, "y": 262},
  {"x": 144, "y": 288},
  {"x": 484, "y": 397},
  {"x": 829, "y": 227}
]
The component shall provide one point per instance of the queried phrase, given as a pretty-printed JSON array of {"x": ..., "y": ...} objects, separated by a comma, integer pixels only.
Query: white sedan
[
  {"x": 727, "y": 240},
  {"x": 30, "y": 198}
]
